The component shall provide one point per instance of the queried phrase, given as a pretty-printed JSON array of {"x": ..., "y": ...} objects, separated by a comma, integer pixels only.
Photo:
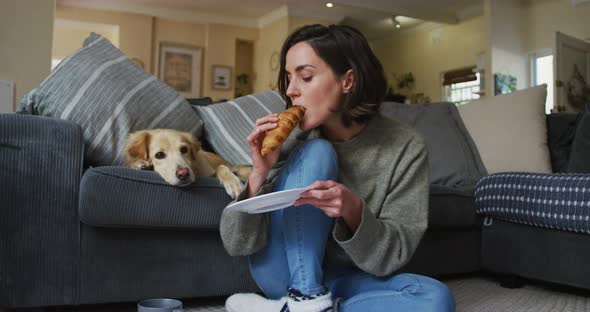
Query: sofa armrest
[
  {"x": 548, "y": 200},
  {"x": 41, "y": 162},
  {"x": 142, "y": 199}
]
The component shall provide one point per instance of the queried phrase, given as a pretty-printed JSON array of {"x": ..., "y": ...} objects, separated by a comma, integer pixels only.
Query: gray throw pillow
[
  {"x": 228, "y": 124},
  {"x": 453, "y": 157},
  {"x": 105, "y": 93},
  {"x": 579, "y": 161}
]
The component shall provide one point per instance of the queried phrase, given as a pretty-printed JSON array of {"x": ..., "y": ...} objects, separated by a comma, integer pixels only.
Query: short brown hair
[{"x": 342, "y": 48}]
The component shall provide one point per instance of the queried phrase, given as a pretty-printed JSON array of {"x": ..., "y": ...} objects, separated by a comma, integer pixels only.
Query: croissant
[{"x": 286, "y": 123}]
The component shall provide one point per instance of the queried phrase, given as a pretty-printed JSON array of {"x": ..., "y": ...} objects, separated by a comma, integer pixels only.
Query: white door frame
[{"x": 562, "y": 42}]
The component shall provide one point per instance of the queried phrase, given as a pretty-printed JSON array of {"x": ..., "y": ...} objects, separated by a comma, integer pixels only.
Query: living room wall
[
  {"x": 25, "y": 52},
  {"x": 68, "y": 36},
  {"x": 271, "y": 38},
  {"x": 506, "y": 52},
  {"x": 141, "y": 36},
  {"x": 514, "y": 35},
  {"x": 182, "y": 33},
  {"x": 429, "y": 51},
  {"x": 298, "y": 21},
  {"x": 221, "y": 50},
  {"x": 135, "y": 30},
  {"x": 545, "y": 17}
]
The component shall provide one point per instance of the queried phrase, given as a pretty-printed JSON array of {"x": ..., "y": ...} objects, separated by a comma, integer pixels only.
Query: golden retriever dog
[{"x": 177, "y": 156}]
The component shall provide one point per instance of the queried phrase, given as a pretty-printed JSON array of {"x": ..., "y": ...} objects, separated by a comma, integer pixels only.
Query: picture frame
[
  {"x": 504, "y": 84},
  {"x": 221, "y": 77},
  {"x": 180, "y": 67}
]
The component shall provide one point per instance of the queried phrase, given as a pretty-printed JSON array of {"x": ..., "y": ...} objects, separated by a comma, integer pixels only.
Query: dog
[{"x": 178, "y": 158}]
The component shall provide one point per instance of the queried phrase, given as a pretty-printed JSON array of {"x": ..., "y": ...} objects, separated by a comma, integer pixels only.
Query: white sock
[
  {"x": 317, "y": 304},
  {"x": 253, "y": 303}
]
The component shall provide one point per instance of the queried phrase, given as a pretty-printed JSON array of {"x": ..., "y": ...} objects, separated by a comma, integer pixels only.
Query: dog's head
[{"x": 170, "y": 152}]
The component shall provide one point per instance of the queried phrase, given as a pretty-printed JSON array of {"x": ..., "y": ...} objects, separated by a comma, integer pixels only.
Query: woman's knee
[
  {"x": 321, "y": 158},
  {"x": 435, "y": 292},
  {"x": 312, "y": 161}
]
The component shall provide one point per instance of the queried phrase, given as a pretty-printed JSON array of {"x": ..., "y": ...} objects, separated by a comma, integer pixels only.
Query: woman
[{"x": 367, "y": 203}]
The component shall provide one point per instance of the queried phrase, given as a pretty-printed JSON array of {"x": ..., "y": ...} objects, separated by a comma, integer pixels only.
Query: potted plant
[
  {"x": 241, "y": 83},
  {"x": 403, "y": 86}
]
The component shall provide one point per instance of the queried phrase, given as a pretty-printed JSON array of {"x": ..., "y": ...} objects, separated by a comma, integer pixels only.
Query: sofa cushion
[
  {"x": 556, "y": 201},
  {"x": 227, "y": 124},
  {"x": 105, "y": 93},
  {"x": 453, "y": 157},
  {"x": 124, "y": 197},
  {"x": 510, "y": 130},
  {"x": 451, "y": 208}
]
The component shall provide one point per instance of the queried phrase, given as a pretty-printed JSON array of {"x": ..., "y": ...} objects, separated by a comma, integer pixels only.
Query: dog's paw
[
  {"x": 143, "y": 165},
  {"x": 232, "y": 184},
  {"x": 233, "y": 188}
]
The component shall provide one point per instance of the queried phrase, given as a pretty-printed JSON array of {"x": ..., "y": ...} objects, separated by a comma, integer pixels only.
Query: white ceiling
[{"x": 373, "y": 16}]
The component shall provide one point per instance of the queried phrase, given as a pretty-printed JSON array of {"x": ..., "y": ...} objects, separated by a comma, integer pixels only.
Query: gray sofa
[
  {"x": 544, "y": 241},
  {"x": 74, "y": 235}
]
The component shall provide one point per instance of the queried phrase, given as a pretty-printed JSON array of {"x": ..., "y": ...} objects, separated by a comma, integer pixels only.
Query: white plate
[{"x": 267, "y": 202}]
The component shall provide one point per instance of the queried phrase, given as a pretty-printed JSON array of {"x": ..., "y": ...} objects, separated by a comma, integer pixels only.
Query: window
[
  {"x": 542, "y": 72},
  {"x": 461, "y": 85}
]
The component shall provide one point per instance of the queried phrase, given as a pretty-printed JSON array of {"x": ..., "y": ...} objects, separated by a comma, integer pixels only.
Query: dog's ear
[
  {"x": 137, "y": 147},
  {"x": 194, "y": 144}
]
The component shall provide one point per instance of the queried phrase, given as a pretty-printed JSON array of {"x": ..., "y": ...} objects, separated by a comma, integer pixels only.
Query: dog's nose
[{"x": 182, "y": 174}]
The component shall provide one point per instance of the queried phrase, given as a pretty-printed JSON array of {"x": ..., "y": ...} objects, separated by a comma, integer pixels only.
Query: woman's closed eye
[{"x": 307, "y": 79}]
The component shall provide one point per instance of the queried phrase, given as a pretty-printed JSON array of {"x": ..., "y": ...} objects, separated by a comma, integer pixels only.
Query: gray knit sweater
[{"x": 386, "y": 165}]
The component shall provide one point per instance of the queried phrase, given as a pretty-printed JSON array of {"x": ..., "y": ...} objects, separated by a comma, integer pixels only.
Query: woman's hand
[
  {"x": 261, "y": 165},
  {"x": 336, "y": 200}
]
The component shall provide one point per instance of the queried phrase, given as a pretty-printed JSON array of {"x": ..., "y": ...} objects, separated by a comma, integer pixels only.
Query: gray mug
[{"x": 160, "y": 305}]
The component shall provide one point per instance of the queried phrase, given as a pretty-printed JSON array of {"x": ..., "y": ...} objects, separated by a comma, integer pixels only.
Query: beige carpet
[
  {"x": 483, "y": 294},
  {"x": 472, "y": 294}
]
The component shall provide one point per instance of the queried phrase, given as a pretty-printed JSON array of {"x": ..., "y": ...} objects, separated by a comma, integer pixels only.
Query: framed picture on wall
[
  {"x": 504, "y": 84},
  {"x": 180, "y": 67},
  {"x": 221, "y": 77}
]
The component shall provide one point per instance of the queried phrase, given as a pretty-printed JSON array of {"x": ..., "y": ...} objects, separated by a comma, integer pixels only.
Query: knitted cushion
[
  {"x": 228, "y": 124},
  {"x": 556, "y": 201},
  {"x": 100, "y": 89}
]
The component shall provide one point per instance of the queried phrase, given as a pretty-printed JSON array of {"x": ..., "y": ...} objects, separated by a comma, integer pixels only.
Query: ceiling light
[
  {"x": 396, "y": 24},
  {"x": 329, "y": 4}
]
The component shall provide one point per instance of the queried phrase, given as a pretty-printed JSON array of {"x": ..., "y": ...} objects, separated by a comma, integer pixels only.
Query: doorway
[
  {"x": 572, "y": 73},
  {"x": 244, "y": 67}
]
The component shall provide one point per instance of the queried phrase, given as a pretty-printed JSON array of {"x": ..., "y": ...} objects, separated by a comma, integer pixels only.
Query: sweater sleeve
[
  {"x": 242, "y": 233},
  {"x": 385, "y": 242}
]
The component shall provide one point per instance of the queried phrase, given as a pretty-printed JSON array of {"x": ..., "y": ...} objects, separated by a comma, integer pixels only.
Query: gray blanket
[{"x": 454, "y": 158}]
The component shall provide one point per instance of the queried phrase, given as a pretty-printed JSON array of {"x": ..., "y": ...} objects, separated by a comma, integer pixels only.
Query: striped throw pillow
[
  {"x": 228, "y": 124},
  {"x": 105, "y": 93}
]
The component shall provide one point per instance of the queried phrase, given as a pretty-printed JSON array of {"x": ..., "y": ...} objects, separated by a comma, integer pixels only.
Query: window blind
[{"x": 459, "y": 75}]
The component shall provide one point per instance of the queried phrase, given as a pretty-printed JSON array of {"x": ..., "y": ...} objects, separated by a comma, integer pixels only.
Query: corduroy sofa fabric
[
  {"x": 124, "y": 197},
  {"x": 40, "y": 170}
]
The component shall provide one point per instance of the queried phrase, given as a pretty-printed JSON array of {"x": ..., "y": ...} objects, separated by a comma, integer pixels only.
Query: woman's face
[{"x": 313, "y": 85}]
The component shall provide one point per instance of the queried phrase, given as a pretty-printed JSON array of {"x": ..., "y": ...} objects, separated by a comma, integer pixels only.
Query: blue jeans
[{"x": 294, "y": 254}]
